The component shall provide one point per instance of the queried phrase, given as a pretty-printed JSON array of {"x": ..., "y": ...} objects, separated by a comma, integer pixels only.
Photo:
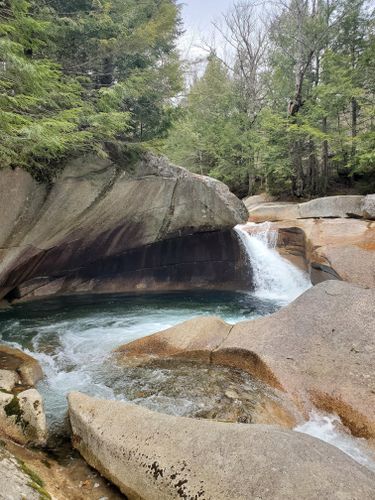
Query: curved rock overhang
[{"x": 102, "y": 228}]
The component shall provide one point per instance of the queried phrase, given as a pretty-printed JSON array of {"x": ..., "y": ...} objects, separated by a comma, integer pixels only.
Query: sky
[
  {"x": 198, "y": 16},
  {"x": 200, "y": 13}
]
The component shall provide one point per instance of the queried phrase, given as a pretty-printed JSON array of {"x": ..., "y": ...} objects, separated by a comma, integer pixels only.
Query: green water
[{"x": 73, "y": 339}]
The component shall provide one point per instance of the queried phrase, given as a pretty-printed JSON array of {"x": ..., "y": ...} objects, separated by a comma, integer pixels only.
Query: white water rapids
[
  {"x": 276, "y": 279},
  {"x": 73, "y": 338},
  {"x": 273, "y": 277}
]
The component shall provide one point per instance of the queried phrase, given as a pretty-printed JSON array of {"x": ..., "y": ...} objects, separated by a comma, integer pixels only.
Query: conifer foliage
[
  {"x": 77, "y": 73},
  {"x": 288, "y": 106}
]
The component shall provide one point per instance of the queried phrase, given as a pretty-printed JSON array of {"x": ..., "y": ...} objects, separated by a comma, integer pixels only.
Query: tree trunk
[
  {"x": 106, "y": 77},
  {"x": 354, "y": 125},
  {"x": 325, "y": 159}
]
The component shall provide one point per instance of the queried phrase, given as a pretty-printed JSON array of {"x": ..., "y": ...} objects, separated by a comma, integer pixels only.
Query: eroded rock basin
[
  {"x": 73, "y": 339},
  {"x": 191, "y": 389}
]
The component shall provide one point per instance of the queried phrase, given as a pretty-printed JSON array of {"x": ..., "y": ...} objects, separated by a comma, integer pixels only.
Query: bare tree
[{"x": 245, "y": 31}]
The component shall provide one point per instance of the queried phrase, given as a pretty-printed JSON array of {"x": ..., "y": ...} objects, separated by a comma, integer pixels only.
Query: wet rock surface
[
  {"x": 151, "y": 455},
  {"x": 319, "y": 350},
  {"x": 94, "y": 229},
  {"x": 22, "y": 415},
  {"x": 199, "y": 390}
]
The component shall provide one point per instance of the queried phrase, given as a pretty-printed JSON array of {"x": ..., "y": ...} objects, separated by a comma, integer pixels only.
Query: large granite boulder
[
  {"x": 150, "y": 455},
  {"x": 341, "y": 249},
  {"x": 368, "y": 207},
  {"x": 103, "y": 226},
  {"x": 329, "y": 207},
  {"x": 320, "y": 350}
]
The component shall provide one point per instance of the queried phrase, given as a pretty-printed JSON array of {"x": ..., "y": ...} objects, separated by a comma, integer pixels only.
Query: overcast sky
[
  {"x": 198, "y": 16},
  {"x": 199, "y": 13}
]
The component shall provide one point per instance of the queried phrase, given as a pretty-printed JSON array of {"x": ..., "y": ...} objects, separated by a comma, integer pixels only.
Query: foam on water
[
  {"x": 329, "y": 428},
  {"x": 73, "y": 342},
  {"x": 274, "y": 278}
]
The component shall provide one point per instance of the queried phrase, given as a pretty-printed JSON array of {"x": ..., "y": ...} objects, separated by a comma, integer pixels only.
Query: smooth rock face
[
  {"x": 26, "y": 367},
  {"x": 328, "y": 207},
  {"x": 320, "y": 350},
  {"x": 368, "y": 206},
  {"x": 341, "y": 249},
  {"x": 150, "y": 455},
  {"x": 206, "y": 260},
  {"x": 15, "y": 484},
  {"x": 97, "y": 212}
]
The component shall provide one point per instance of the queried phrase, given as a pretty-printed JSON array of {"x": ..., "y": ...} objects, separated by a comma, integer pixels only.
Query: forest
[{"x": 284, "y": 103}]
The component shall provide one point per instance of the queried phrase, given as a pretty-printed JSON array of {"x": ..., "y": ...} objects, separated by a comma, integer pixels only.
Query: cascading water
[
  {"x": 329, "y": 428},
  {"x": 73, "y": 338},
  {"x": 274, "y": 278}
]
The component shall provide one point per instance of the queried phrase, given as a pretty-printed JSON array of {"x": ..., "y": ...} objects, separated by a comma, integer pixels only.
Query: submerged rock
[
  {"x": 150, "y": 455},
  {"x": 200, "y": 390},
  {"x": 320, "y": 350},
  {"x": 106, "y": 227}
]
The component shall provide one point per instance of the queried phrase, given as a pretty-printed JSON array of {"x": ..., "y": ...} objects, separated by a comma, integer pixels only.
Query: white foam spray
[
  {"x": 274, "y": 277},
  {"x": 329, "y": 428}
]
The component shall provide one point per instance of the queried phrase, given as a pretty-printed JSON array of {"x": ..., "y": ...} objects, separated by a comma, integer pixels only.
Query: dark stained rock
[{"x": 108, "y": 227}]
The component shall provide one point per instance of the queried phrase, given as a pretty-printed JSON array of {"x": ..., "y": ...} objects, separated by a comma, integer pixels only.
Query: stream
[{"x": 73, "y": 337}]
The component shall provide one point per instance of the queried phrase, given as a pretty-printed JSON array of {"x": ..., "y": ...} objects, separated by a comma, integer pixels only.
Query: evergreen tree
[
  {"x": 75, "y": 74},
  {"x": 300, "y": 118}
]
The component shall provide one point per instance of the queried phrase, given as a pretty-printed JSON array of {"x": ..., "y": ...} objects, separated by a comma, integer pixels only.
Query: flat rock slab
[
  {"x": 195, "y": 339},
  {"x": 154, "y": 456},
  {"x": 320, "y": 350},
  {"x": 327, "y": 207}
]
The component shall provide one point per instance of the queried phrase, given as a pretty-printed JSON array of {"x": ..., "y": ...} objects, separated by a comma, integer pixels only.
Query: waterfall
[{"x": 274, "y": 278}]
